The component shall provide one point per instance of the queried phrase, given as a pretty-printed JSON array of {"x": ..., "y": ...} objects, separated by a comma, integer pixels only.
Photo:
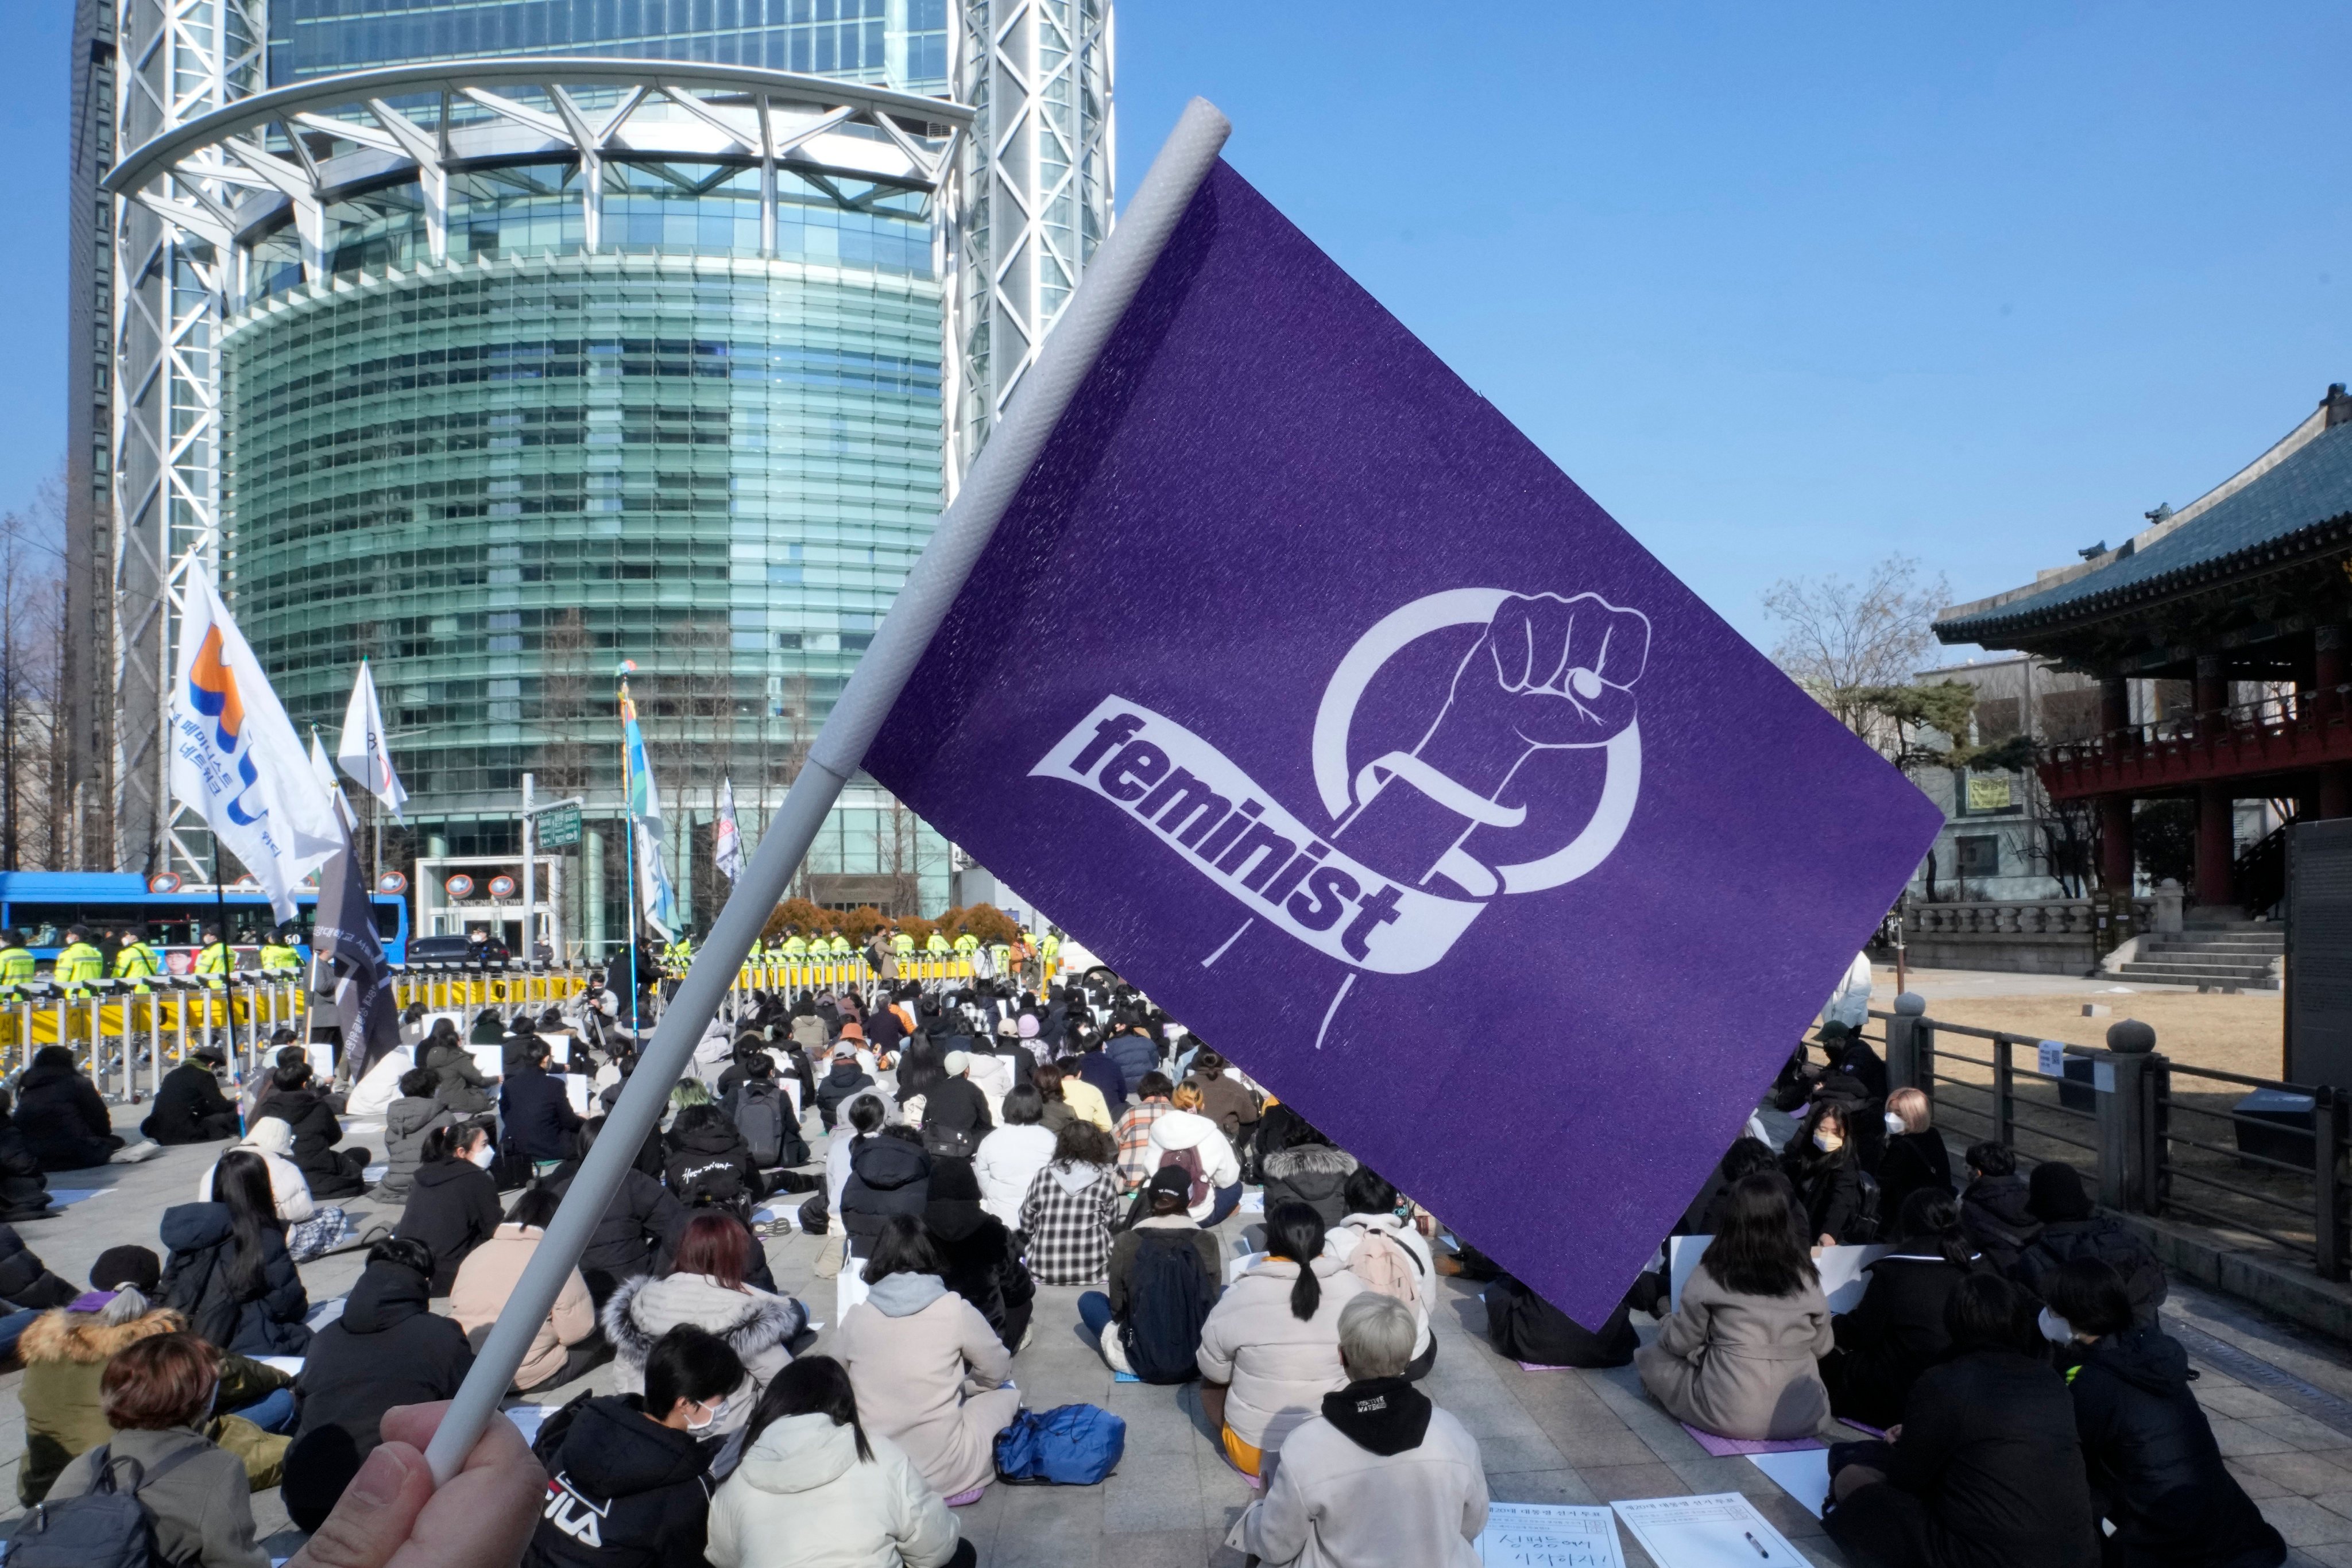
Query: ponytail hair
[
  {"x": 1930, "y": 1217},
  {"x": 1295, "y": 1231}
]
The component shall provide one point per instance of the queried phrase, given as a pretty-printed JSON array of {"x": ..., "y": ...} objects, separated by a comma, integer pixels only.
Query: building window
[{"x": 1980, "y": 854}]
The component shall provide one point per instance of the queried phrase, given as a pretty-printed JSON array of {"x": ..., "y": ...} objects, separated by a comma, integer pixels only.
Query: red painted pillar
[
  {"x": 2116, "y": 843},
  {"x": 2215, "y": 848}
]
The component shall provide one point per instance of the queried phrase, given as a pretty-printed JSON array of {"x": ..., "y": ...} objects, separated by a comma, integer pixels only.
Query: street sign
[{"x": 558, "y": 829}]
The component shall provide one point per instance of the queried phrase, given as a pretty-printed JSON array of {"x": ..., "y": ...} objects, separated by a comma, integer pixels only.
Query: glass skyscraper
[{"x": 524, "y": 369}]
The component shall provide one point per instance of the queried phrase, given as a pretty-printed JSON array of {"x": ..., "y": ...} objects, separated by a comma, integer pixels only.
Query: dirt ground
[{"x": 2244, "y": 1033}]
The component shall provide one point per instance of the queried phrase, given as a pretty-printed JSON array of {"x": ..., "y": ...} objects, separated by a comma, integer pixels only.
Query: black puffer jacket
[
  {"x": 887, "y": 1175},
  {"x": 23, "y": 1190},
  {"x": 25, "y": 1279},
  {"x": 639, "y": 1231},
  {"x": 64, "y": 1122},
  {"x": 1994, "y": 1213},
  {"x": 1525, "y": 1327},
  {"x": 1914, "y": 1162},
  {"x": 1313, "y": 1173},
  {"x": 982, "y": 1265},
  {"x": 1829, "y": 1190},
  {"x": 2154, "y": 1466},
  {"x": 1893, "y": 1333},
  {"x": 330, "y": 1172},
  {"x": 622, "y": 1491},
  {"x": 840, "y": 1082},
  {"x": 196, "y": 1281},
  {"x": 189, "y": 1094},
  {"x": 388, "y": 1348},
  {"x": 710, "y": 1165},
  {"x": 453, "y": 1208},
  {"x": 2108, "y": 1240}
]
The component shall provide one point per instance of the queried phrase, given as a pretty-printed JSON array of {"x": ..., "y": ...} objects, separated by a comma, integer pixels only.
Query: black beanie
[{"x": 133, "y": 1266}]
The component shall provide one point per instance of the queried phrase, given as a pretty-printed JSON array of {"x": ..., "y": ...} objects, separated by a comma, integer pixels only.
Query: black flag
[{"x": 345, "y": 936}]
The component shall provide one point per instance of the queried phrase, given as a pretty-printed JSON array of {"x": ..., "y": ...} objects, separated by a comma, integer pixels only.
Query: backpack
[
  {"x": 1189, "y": 1162},
  {"x": 1069, "y": 1445},
  {"x": 757, "y": 1109},
  {"x": 196, "y": 1285},
  {"x": 1168, "y": 1299},
  {"x": 1386, "y": 1265},
  {"x": 105, "y": 1527}
]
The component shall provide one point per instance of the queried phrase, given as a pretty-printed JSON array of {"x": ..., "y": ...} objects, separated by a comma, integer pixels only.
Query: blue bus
[{"x": 42, "y": 904}]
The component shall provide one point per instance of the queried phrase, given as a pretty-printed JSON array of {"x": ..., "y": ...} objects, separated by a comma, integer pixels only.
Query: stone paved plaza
[{"x": 2282, "y": 1408}]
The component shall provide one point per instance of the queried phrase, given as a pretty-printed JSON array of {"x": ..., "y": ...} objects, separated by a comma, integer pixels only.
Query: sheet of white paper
[
  {"x": 1253, "y": 1202},
  {"x": 1803, "y": 1475},
  {"x": 291, "y": 1365},
  {"x": 1842, "y": 1280},
  {"x": 577, "y": 1089},
  {"x": 490, "y": 1060},
  {"x": 559, "y": 1046},
  {"x": 2050, "y": 1060},
  {"x": 375, "y": 1174},
  {"x": 1548, "y": 1535},
  {"x": 528, "y": 1418},
  {"x": 1719, "y": 1529}
]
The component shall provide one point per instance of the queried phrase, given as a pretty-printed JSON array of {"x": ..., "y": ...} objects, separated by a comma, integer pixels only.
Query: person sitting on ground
[
  {"x": 1154, "y": 1094},
  {"x": 706, "y": 1285},
  {"x": 535, "y": 1113},
  {"x": 1135, "y": 1053},
  {"x": 2071, "y": 1228},
  {"x": 285, "y": 1053},
  {"x": 23, "y": 1190},
  {"x": 453, "y": 1203},
  {"x": 1160, "y": 1284},
  {"x": 1011, "y": 1156},
  {"x": 407, "y": 1123},
  {"x": 889, "y": 1175},
  {"x": 928, "y": 1371},
  {"x": 461, "y": 1086},
  {"x": 1084, "y": 1100},
  {"x": 1103, "y": 1075},
  {"x": 1185, "y": 1135},
  {"x": 311, "y": 1228},
  {"x": 330, "y": 1171},
  {"x": 641, "y": 1228},
  {"x": 1738, "y": 1356},
  {"x": 1896, "y": 1331},
  {"x": 28, "y": 1288},
  {"x": 860, "y": 1120},
  {"x": 387, "y": 1348},
  {"x": 1984, "y": 1471},
  {"x": 978, "y": 1256},
  {"x": 567, "y": 1343},
  {"x": 1298, "y": 1165},
  {"x": 1821, "y": 1164},
  {"x": 158, "y": 1394},
  {"x": 1993, "y": 1205},
  {"x": 630, "y": 1482},
  {"x": 760, "y": 1109},
  {"x": 1270, "y": 1348},
  {"x": 815, "y": 1489},
  {"x": 1380, "y": 1475},
  {"x": 1223, "y": 1100},
  {"x": 1046, "y": 1079},
  {"x": 59, "y": 1113},
  {"x": 229, "y": 1273},
  {"x": 1377, "y": 1241},
  {"x": 1531, "y": 1331},
  {"x": 842, "y": 1080},
  {"x": 488, "y": 1029},
  {"x": 710, "y": 1166},
  {"x": 65, "y": 1352},
  {"x": 189, "y": 1107},
  {"x": 1915, "y": 1159},
  {"x": 2156, "y": 1471},
  {"x": 1071, "y": 1207},
  {"x": 955, "y": 1112}
]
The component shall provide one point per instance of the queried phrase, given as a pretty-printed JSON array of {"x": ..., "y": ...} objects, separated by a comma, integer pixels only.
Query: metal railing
[{"x": 2154, "y": 1138}]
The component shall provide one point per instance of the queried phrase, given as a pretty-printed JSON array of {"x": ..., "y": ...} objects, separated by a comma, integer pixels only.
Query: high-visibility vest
[
  {"x": 1050, "y": 946},
  {"x": 16, "y": 968},
  {"x": 903, "y": 945},
  {"x": 77, "y": 966},
  {"x": 795, "y": 947},
  {"x": 1002, "y": 953},
  {"x": 136, "y": 961},
  {"x": 967, "y": 944},
  {"x": 215, "y": 960},
  {"x": 278, "y": 956},
  {"x": 936, "y": 947}
]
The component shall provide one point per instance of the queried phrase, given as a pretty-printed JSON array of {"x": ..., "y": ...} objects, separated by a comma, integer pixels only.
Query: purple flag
[{"x": 1301, "y": 687}]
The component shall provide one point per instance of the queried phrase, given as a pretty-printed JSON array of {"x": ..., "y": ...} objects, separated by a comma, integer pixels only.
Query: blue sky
[{"x": 1784, "y": 288}]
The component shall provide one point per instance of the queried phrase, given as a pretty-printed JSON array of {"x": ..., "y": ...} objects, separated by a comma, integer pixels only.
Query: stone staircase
[{"x": 2237, "y": 952}]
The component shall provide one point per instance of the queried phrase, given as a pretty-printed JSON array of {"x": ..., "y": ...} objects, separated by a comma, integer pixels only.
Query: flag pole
[
  {"x": 629, "y": 852},
  {"x": 1105, "y": 290}
]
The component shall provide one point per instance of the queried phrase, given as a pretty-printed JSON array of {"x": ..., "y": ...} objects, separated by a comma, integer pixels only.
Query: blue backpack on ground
[{"x": 1069, "y": 1445}]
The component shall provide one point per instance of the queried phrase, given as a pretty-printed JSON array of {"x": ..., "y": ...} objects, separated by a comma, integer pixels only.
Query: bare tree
[
  {"x": 35, "y": 828},
  {"x": 1853, "y": 644}
]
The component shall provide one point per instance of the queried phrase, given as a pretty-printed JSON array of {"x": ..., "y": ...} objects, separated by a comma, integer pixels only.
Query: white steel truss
[
  {"x": 1038, "y": 178},
  {"x": 200, "y": 193}
]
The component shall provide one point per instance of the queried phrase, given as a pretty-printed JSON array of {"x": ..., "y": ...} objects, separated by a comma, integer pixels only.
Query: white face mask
[
  {"x": 1893, "y": 1125},
  {"x": 485, "y": 1156},
  {"x": 1828, "y": 1143},
  {"x": 2055, "y": 1329},
  {"x": 716, "y": 1411}
]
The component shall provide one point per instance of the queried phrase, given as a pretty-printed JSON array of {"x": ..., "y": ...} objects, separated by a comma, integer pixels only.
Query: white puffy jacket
[
  {"x": 803, "y": 1498},
  {"x": 273, "y": 1140},
  {"x": 1189, "y": 1130}
]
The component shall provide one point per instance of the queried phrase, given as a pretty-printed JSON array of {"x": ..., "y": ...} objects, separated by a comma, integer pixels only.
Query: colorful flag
[
  {"x": 725, "y": 838},
  {"x": 654, "y": 896},
  {"x": 1311, "y": 696},
  {"x": 236, "y": 759},
  {"x": 324, "y": 771},
  {"x": 365, "y": 751}
]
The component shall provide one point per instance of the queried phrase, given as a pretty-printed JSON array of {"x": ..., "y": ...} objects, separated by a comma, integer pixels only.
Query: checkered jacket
[
  {"x": 1069, "y": 1232},
  {"x": 1135, "y": 1166}
]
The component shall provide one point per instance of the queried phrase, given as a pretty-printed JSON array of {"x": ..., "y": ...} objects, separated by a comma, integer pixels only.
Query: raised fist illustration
[{"x": 1550, "y": 672}]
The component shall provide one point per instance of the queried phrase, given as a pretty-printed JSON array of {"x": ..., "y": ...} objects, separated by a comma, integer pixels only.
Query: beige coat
[
  {"x": 930, "y": 1378},
  {"x": 489, "y": 1276},
  {"x": 803, "y": 1498},
  {"x": 1279, "y": 1367},
  {"x": 1743, "y": 1366},
  {"x": 1334, "y": 1505}
]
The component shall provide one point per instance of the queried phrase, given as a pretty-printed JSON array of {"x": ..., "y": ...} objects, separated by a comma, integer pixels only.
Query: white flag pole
[{"x": 1106, "y": 290}]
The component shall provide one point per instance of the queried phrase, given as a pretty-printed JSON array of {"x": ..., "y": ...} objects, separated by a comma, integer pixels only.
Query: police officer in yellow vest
[
  {"x": 1001, "y": 955},
  {"x": 16, "y": 963},
  {"x": 78, "y": 963},
  {"x": 213, "y": 959},
  {"x": 279, "y": 955},
  {"x": 838, "y": 947},
  {"x": 1049, "y": 946},
  {"x": 936, "y": 947},
  {"x": 966, "y": 945},
  {"x": 795, "y": 946},
  {"x": 903, "y": 945},
  {"x": 135, "y": 961}
]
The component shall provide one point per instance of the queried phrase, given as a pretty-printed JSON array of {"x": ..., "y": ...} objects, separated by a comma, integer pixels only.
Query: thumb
[{"x": 373, "y": 1517}]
